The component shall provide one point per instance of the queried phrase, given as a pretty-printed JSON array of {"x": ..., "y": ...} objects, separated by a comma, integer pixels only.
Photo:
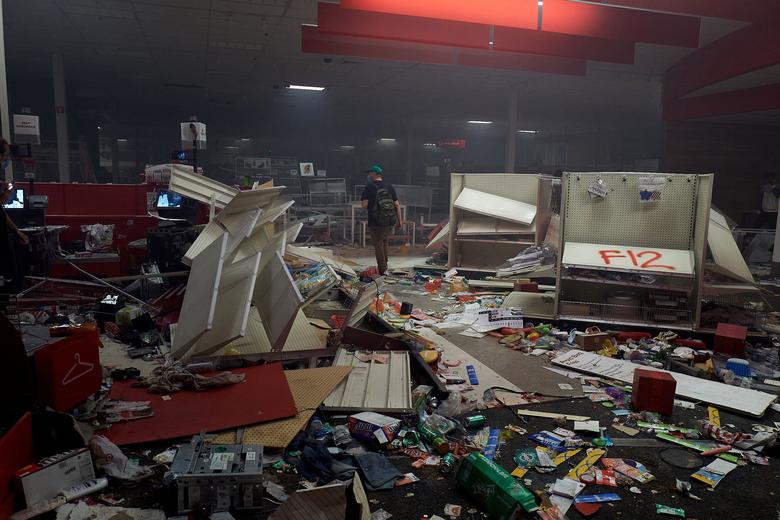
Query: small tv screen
[
  {"x": 16, "y": 201},
  {"x": 168, "y": 199}
]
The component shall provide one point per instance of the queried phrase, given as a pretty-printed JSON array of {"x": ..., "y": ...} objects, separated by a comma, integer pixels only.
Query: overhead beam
[
  {"x": 751, "y": 48},
  {"x": 332, "y": 19},
  {"x": 742, "y": 101},
  {"x": 372, "y": 48},
  {"x": 742, "y": 10},
  {"x": 600, "y": 21},
  {"x": 523, "y": 14}
]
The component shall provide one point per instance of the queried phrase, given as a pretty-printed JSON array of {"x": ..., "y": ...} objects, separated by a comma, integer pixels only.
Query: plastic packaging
[{"x": 341, "y": 435}]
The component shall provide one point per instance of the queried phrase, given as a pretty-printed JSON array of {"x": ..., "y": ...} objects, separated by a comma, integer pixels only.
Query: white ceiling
[{"x": 221, "y": 59}]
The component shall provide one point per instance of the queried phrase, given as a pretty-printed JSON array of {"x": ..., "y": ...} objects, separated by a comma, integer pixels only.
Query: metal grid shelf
[
  {"x": 626, "y": 314},
  {"x": 625, "y": 270},
  {"x": 628, "y": 283}
]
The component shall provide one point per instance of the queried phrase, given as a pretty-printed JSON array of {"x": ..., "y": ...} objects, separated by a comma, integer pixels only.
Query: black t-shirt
[{"x": 369, "y": 194}]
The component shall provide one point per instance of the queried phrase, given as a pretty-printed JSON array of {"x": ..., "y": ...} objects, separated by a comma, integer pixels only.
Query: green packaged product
[{"x": 497, "y": 492}]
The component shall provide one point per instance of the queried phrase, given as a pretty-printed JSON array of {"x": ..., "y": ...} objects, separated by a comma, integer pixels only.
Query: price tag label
[{"x": 597, "y": 190}]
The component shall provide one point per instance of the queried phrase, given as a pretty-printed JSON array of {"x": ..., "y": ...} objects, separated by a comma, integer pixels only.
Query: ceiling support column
[
  {"x": 60, "y": 112},
  {"x": 511, "y": 135},
  {"x": 5, "y": 115}
]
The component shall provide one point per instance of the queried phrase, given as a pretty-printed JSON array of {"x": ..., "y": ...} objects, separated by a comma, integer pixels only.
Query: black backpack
[{"x": 384, "y": 208}]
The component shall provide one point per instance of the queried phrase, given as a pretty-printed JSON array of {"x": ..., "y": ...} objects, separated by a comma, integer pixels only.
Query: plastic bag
[{"x": 110, "y": 458}]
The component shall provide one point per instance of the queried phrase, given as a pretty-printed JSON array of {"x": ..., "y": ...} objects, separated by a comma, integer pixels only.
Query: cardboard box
[
  {"x": 43, "y": 480},
  {"x": 496, "y": 491},
  {"x": 590, "y": 342},
  {"x": 371, "y": 426},
  {"x": 730, "y": 340},
  {"x": 653, "y": 391}
]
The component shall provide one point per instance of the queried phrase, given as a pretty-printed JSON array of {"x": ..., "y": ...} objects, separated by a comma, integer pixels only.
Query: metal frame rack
[{"x": 618, "y": 226}]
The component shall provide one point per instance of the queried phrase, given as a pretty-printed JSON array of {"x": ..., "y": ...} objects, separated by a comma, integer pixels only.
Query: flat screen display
[
  {"x": 168, "y": 199},
  {"x": 16, "y": 201}
]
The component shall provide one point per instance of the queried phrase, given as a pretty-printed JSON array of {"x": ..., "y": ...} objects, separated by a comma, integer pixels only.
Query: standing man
[
  {"x": 384, "y": 212},
  {"x": 7, "y": 226},
  {"x": 769, "y": 198}
]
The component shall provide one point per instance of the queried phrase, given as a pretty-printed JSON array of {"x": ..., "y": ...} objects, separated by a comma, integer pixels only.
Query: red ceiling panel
[
  {"x": 331, "y": 19},
  {"x": 599, "y": 21},
  {"x": 314, "y": 42},
  {"x": 725, "y": 103},
  {"x": 556, "y": 44},
  {"x": 754, "y": 47},
  {"x": 511, "y": 13},
  {"x": 744, "y": 10}
]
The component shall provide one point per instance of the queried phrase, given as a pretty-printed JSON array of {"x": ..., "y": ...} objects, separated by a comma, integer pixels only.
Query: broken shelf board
[
  {"x": 728, "y": 397},
  {"x": 373, "y": 386},
  {"x": 200, "y": 298},
  {"x": 495, "y": 206},
  {"x": 549, "y": 415},
  {"x": 670, "y": 262},
  {"x": 277, "y": 299},
  {"x": 249, "y": 200},
  {"x": 315, "y": 254},
  {"x": 492, "y": 226},
  {"x": 200, "y": 187},
  {"x": 443, "y": 233},
  {"x": 725, "y": 252}
]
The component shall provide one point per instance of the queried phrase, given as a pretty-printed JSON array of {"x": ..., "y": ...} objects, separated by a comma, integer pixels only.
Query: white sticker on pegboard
[
  {"x": 598, "y": 190},
  {"x": 651, "y": 189}
]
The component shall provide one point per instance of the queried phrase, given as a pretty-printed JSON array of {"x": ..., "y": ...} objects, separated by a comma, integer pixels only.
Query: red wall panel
[
  {"x": 726, "y": 103},
  {"x": 615, "y": 23},
  {"x": 511, "y": 13},
  {"x": 744, "y": 10}
]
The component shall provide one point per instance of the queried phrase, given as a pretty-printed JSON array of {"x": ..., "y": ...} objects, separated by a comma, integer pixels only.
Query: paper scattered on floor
[
  {"x": 586, "y": 426},
  {"x": 713, "y": 473},
  {"x": 82, "y": 511}
]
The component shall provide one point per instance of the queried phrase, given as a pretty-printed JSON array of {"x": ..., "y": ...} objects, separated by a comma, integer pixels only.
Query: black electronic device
[
  {"x": 167, "y": 245},
  {"x": 169, "y": 199},
  {"x": 16, "y": 201},
  {"x": 27, "y": 217}
]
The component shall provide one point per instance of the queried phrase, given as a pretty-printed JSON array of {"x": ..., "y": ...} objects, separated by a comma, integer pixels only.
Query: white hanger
[{"x": 74, "y": 372}]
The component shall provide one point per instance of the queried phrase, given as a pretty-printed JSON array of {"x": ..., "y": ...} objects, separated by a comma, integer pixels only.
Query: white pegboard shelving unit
[
  {"x": 488, "y": 251},
  {"x": 654, "y": 293}
]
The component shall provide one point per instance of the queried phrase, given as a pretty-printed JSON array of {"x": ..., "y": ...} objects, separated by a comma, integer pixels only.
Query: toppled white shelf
[
  {"x": 495, "y": 206},
  {"x": 672, "y": 262}
]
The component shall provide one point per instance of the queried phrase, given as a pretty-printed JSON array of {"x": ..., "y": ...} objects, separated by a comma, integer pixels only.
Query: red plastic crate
[
  {"x": 653, "y": 391},
  {"x": 730, "y": 340}
]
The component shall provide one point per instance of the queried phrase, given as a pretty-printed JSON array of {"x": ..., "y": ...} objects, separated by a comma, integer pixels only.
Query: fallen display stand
[{"x": 734, "y": 398}]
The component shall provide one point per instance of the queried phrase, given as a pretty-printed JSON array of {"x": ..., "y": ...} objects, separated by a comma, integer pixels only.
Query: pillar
[
  {"x": 409, "y": 154},
  {"x": 5, "y": 115},
  {"x": 60, "y": 112},
  {"x": 511, "y": 135}
]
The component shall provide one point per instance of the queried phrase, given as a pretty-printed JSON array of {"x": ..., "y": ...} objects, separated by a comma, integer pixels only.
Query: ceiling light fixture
[
  {"x": 386, "y": 139},
  {"x": 305, "y": 87},
  {"x": 231, "y": 147},
  {"x": 429, "y": 145},
  {"x": 528, "y": 131},
  {"x": 245, "y": 139},
  {"x": 479, "y": 122},
  {"x": 121, "y": 140},
  {"x": 347, "y": 147}
]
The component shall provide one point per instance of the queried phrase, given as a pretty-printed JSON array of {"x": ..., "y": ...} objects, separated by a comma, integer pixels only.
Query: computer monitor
[
  {"x": 168, "y": 199},
  {"x": 17, "y": 201}
]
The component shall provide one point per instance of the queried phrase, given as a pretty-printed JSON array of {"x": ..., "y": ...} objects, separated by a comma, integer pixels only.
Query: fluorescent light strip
[
  {"x": 305, "y": 87},
  {"x": 478, "y": 122},
  {"x": 245, "y": 139},
  {"x": 121, "y": 140},
  {"x": 528, "y": 131},
  {"x": 347, "y": 147},
  {"x": 386, "y": 139}
]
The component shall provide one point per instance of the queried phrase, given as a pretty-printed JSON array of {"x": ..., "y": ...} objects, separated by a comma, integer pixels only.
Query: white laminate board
[
  {"x": 729, "y": 397},
  {"x": 234, "y": 301},
  {"x": 725, "y": 251},
  {"x": 442, "y": 235},
  {"x": 277, "y": 299},
  {"x": 302, "y": 337},
  {"x": 249, "y": 200},
  {"x": 200, "y": 298},
  {"x": 627, "y": 258},
  {"x": 210, "y": 232},
  {"x": 271, "y": 213},
  {"x": 200, "y": 187},
  {"x": 495, "y": 206}
]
